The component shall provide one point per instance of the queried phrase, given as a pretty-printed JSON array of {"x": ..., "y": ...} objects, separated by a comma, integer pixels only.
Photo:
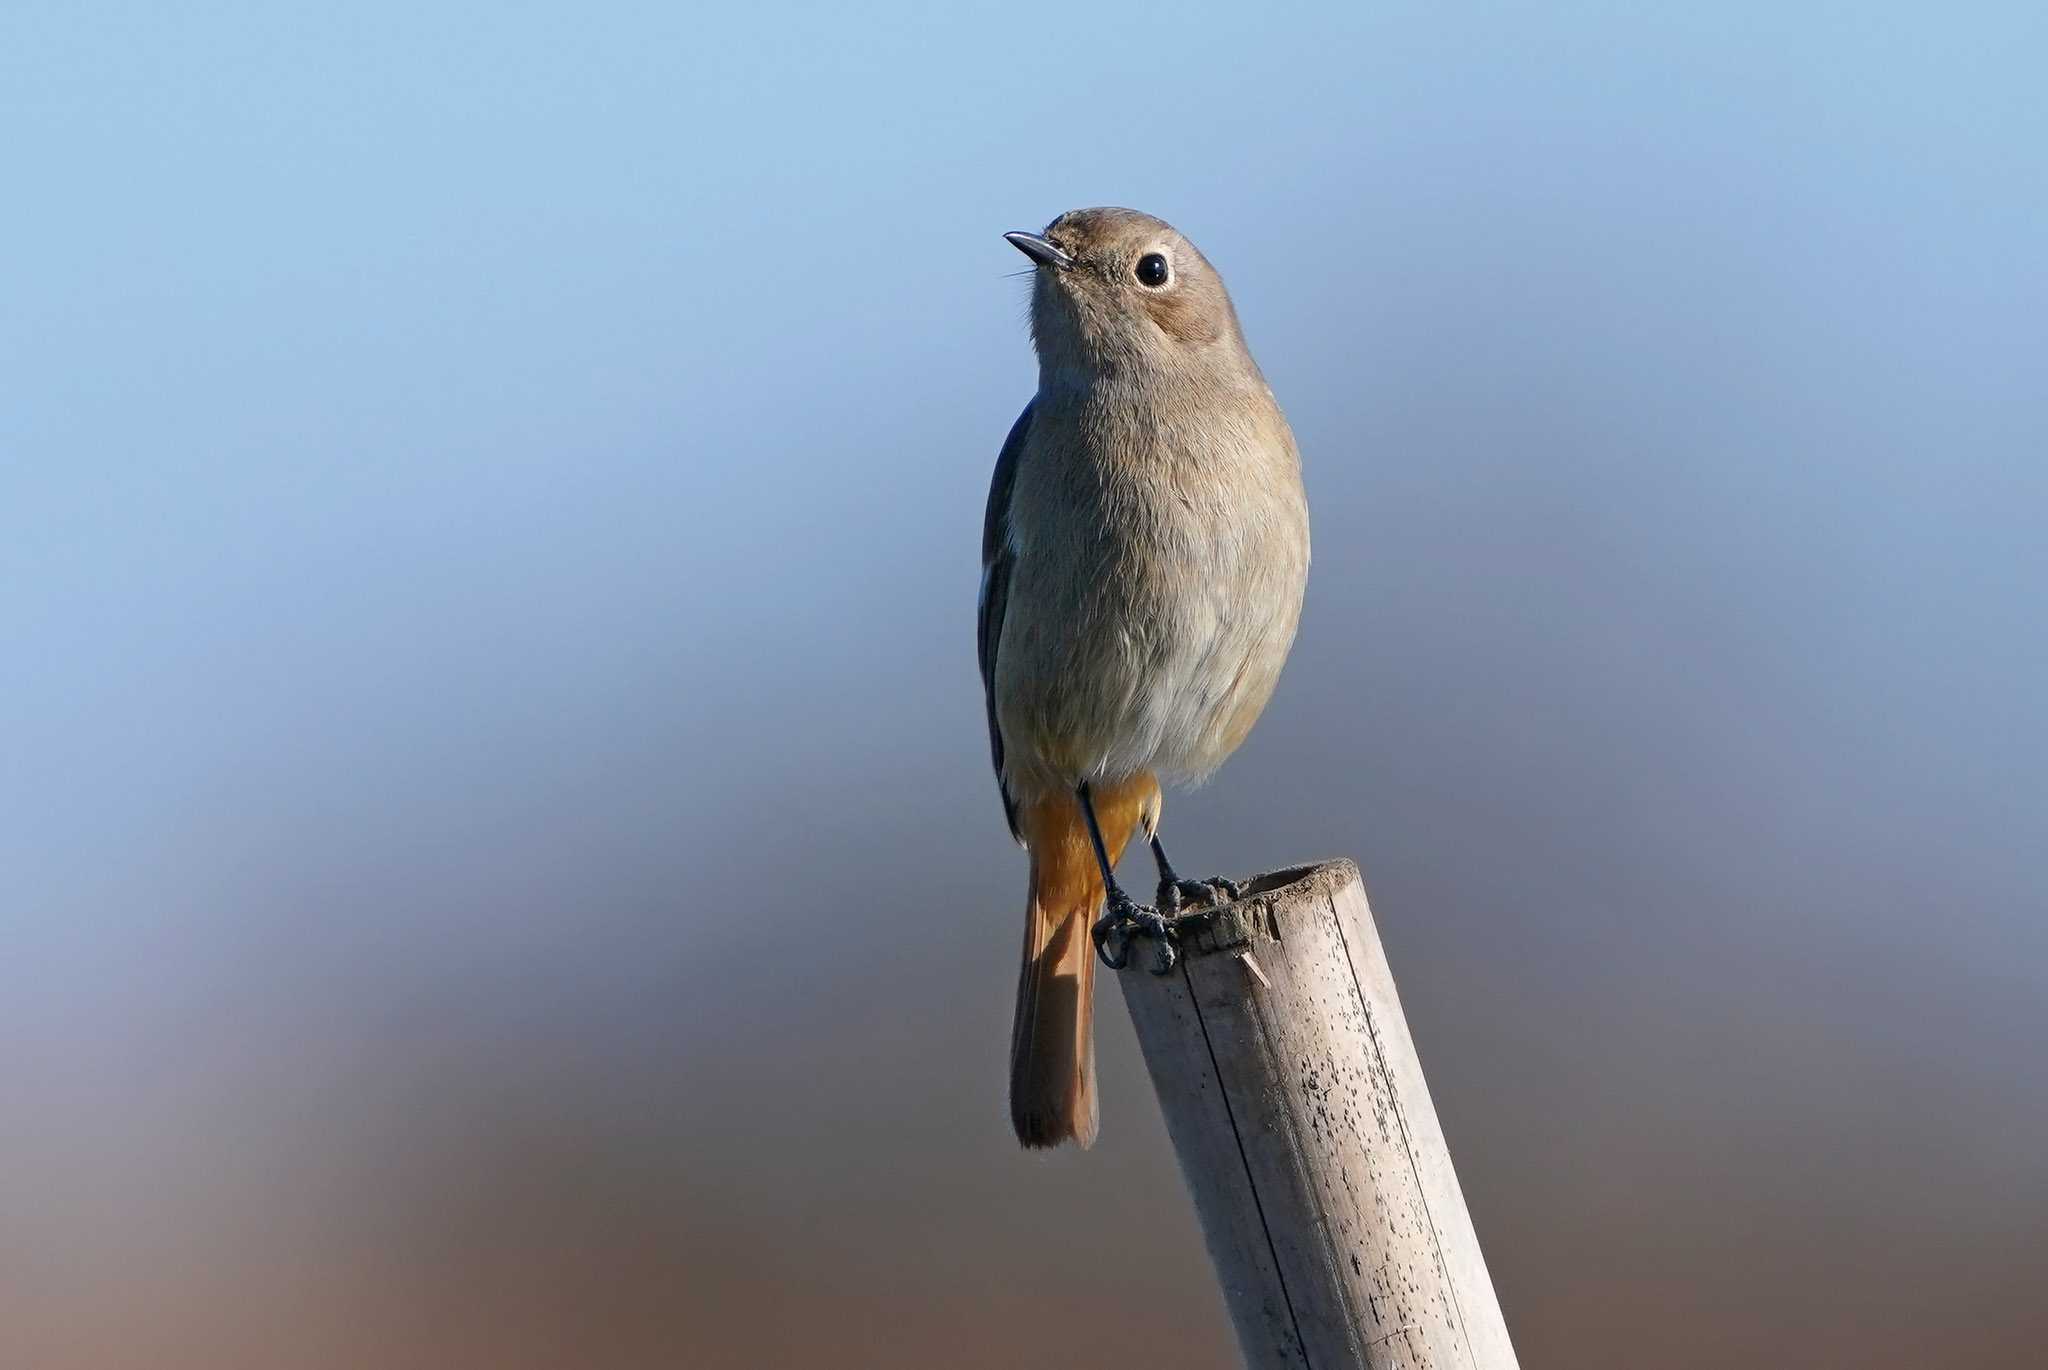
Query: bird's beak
[{"x": 1039, "y": 249}]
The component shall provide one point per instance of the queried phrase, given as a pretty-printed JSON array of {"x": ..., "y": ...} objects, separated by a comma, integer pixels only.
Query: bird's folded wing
[{"x": 997, "y": 558}]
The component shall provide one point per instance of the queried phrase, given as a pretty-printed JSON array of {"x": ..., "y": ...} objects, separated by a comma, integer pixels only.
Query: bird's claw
[
  {"x": 1126, "y": 919},
  {"x": 1215, "y": 892}
]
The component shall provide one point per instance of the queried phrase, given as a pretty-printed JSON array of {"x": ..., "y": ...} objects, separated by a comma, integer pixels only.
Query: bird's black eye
[{"x": 1152, "y": 270}]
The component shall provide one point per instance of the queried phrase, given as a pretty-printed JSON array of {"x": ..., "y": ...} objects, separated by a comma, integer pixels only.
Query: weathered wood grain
[{"x": 1306, "y": 1135}]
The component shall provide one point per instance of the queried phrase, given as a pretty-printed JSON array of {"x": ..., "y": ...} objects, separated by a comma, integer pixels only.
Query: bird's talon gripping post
[
  {"x": 1112, "y": 941},
  {"x": 1126, "y": 919},
  {"x": 1164, "y": 953},
  {"x": 1174, "y": 893}
]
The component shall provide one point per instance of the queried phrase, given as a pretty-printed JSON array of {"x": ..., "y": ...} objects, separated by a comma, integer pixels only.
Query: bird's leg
[
  {"x": 1174, "y": 891},
  {"x": 1124, "y": 917}
]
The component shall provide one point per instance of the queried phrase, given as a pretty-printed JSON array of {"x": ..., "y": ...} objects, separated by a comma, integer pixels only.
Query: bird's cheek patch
[{"x": 1181, "y": 317}]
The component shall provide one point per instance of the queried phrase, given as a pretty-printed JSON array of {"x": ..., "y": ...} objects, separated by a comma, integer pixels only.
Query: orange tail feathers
[{"x": 1052, "y": 1047}]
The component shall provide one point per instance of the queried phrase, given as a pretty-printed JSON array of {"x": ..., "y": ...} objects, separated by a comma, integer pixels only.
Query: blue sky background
[{"x": 496, "y": 843}]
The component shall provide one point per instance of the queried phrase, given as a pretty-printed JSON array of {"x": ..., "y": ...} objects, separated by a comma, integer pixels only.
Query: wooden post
[{"x": 1307, "y": 1138}]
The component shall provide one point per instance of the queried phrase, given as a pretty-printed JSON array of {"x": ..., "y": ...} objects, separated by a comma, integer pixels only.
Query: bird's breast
[{"x": 1160, "y": 558}]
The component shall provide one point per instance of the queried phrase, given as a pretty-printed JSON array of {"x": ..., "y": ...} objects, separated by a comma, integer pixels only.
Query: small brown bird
[{"x": 1143, "y": 561}]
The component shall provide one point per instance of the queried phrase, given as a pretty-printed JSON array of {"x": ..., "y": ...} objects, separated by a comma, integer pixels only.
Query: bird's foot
[
  {"x": 1214, "y": 892},
  {"x": 1126, "y": 919}
]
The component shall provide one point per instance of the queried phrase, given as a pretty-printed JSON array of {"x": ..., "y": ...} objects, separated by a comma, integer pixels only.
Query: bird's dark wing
[{"x": 996, "y": 562}]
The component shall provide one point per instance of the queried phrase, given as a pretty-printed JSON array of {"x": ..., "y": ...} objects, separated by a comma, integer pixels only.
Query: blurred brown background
[{"x": 497, "y": 862}]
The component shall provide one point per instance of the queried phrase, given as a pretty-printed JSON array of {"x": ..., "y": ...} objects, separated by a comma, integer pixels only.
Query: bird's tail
[{"x": 1052, "y": 1048}]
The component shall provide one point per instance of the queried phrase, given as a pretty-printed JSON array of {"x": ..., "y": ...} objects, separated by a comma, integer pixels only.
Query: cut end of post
[{"x": 1257, "y": 914}]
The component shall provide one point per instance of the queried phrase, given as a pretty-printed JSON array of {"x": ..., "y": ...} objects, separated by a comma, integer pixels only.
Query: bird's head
[{"x": 1117, "y": 291}]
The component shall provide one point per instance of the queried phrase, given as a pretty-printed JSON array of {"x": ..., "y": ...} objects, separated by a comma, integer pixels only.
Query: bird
[{"x": 1145, "y": 553}]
